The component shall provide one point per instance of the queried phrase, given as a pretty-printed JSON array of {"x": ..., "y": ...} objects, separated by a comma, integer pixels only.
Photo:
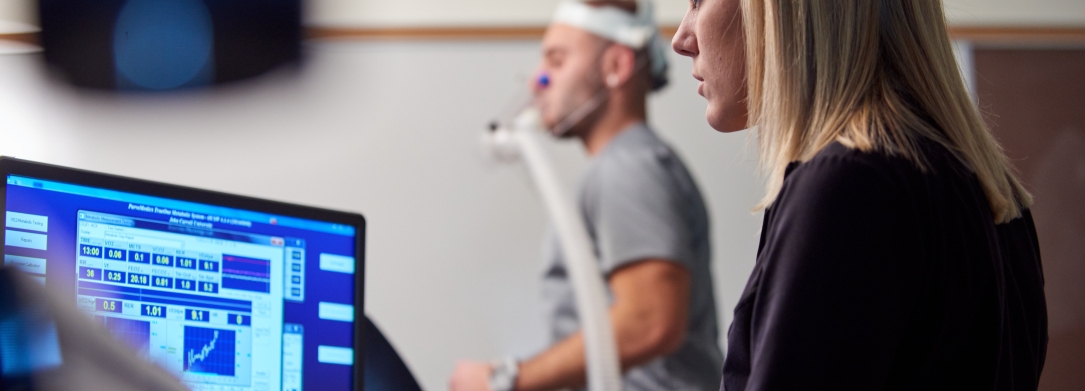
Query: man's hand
[{"x": 470, "y": 376}]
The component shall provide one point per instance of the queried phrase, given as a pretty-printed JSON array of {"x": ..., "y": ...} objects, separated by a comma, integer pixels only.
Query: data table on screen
[{"x": 187, "y": 301}]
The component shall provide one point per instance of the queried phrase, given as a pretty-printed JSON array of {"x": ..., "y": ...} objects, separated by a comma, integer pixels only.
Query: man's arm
[{"x": 649, "y": 316}]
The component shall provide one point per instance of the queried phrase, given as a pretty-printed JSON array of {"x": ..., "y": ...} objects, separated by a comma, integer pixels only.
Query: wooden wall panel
[
  {"x": 1035, "y": 104},
  {"x": 1044, "y": 36}
]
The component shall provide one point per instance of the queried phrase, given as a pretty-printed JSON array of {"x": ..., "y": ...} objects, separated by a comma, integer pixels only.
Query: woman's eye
[{"x": 694, "y": 3}]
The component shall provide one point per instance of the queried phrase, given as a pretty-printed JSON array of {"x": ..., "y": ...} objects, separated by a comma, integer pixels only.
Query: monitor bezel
[{"x": 35, "y": 170}]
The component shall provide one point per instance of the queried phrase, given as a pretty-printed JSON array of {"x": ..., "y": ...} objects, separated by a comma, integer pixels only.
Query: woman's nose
[{"x": 684, "y": 42}]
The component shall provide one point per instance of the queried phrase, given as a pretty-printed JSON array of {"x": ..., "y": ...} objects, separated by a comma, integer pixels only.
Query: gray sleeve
[{"x": 635, "y": 210}]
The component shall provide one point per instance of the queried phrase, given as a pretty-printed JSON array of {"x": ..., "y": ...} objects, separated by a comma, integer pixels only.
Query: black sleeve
[{"x": 840, "y": 279}]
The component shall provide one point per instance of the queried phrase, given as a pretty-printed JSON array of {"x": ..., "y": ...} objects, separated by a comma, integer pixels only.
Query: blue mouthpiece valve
[{"x": 544, "y": 80}]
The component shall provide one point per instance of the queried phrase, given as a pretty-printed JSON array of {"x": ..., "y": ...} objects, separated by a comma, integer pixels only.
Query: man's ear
[{"x": 619, "y": 64}]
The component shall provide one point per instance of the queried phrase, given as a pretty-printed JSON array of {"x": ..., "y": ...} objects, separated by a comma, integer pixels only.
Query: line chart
[{"x": 209, "y": 351}]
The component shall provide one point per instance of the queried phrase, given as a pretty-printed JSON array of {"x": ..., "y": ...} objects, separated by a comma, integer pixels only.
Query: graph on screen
[
  {"x": 209, "y": 351},
  {"x": 134, "y": 332}
]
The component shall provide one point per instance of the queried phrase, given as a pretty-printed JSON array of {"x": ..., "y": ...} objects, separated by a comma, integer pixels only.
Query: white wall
[
  {"x": 17, "y": 16},
  {"x": 382, "y": 13},
  {"x": 1041, "y": 13},
  {"x": 429, "y": 13},
  {"x": 398, "y": 13},
  {"x": 390, "y": 130}
]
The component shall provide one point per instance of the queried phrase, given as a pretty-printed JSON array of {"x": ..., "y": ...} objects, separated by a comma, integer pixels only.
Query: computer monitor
[{"x": 227, "y": 292}]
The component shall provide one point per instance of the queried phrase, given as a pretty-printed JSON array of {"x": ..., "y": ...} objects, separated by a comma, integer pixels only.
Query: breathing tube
[
  {"x": 515, "y": 137},
  {"x": 520, "y": 142}
]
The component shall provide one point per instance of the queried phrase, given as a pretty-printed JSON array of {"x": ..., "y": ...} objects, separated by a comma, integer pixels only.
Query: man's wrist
[{"x": 503, "y": 374}]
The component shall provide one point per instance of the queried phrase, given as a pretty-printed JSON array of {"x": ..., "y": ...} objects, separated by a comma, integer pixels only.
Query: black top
[{"x": 873, "y": 275}]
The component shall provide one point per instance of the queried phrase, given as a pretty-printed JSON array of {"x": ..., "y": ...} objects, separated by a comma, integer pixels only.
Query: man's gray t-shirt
[{"x": 639, "y": 202}]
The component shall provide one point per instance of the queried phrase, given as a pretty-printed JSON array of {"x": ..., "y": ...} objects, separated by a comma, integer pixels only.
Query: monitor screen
[{"x": 227, "y": 299}]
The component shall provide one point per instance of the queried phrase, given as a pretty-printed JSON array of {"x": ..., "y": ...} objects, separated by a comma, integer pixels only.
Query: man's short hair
[{"x": 643, "y": 55}]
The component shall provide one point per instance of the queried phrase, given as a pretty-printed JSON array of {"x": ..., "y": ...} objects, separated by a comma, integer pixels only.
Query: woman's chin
[{"x": 724, "y": 122}]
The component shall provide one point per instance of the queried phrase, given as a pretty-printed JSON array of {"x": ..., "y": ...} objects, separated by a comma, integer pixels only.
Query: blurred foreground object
[
  {"x": 47, "y": 344},
  {"x": 18, "y": 25},
  {"x": 384, "y": 368},
  {"x": 161, "y": 45}
]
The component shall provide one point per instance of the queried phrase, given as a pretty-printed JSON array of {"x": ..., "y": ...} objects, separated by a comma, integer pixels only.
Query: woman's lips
[{"x": 700, "y": 85}]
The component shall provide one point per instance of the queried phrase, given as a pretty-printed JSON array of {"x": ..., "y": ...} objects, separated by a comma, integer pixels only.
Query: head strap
[{"x": 637, "y": 31}]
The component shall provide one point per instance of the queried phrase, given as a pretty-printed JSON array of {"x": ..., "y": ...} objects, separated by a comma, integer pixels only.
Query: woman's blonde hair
[{"x": 874, "y": 75}]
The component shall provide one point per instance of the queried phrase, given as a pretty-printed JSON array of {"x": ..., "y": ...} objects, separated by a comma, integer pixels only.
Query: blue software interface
[{"x": 227, "y": 299}]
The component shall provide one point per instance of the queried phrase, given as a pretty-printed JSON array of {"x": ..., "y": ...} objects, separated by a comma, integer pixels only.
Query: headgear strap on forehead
[{"x": 635, "y": 31}]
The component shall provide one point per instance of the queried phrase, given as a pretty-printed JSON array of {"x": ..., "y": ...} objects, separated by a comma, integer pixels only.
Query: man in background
[{"x": 640, "y": 205}]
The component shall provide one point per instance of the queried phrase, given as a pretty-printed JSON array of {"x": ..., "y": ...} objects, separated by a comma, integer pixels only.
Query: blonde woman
[{"x": 898, "y": 251}]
